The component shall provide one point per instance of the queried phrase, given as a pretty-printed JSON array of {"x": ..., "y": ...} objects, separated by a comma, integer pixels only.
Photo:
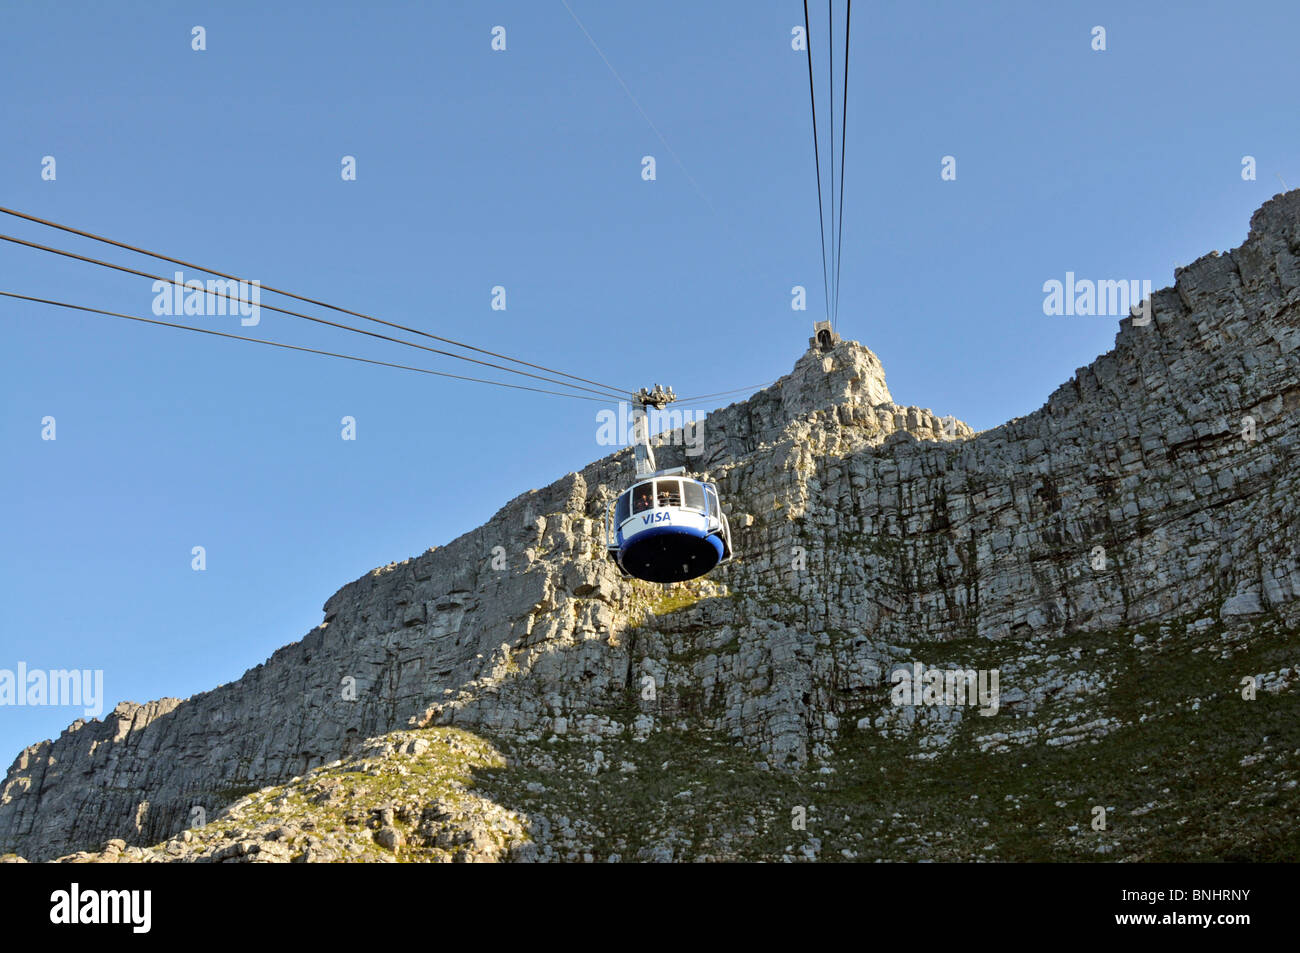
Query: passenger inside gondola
[{"x": 642, "y": 498}]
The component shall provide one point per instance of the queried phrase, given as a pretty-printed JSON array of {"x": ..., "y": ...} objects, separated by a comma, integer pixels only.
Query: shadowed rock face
[{"x": 870, "y": 535}]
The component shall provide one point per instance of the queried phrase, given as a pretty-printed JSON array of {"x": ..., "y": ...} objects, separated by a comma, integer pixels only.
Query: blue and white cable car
[{"x": 666, "y": 527}]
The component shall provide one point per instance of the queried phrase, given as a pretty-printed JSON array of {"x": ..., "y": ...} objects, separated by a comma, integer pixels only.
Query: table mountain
[{"x": 1127, "y": 558}]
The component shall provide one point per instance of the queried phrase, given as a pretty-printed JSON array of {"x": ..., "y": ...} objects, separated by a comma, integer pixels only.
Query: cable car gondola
[{"x": 667, "y": 526}]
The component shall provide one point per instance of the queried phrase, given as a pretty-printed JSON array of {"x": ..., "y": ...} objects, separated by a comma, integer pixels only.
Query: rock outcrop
[{"x": 1148, "y": 510}]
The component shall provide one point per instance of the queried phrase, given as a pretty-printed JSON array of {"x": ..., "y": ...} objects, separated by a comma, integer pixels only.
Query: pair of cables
[
  {"x": 574, "y": 383},
  {"x": 604, "y": 392},
  {"x": 830, "y": 265}
]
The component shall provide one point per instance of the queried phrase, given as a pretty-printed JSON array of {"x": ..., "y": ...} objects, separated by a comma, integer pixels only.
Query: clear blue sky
[{"x": 522, "y": 169}]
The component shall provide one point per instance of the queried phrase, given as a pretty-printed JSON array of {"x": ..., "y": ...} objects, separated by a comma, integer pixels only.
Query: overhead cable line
[
  {"x": 289, "y": 294},
  {"x": 844, "y": 122},
  {"x": 644, "y": 115},
  {"x": 297, "y": 314},
  {"x": 812, "y": 98},
  {"x": 291, "y": 347},
  {"x": 723, "y": 393},
  {"x": 830, "y": 78}
]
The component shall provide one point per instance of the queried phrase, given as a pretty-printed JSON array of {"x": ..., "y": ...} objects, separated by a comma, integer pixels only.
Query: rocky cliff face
[{"x": 1123, "y": 557}]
